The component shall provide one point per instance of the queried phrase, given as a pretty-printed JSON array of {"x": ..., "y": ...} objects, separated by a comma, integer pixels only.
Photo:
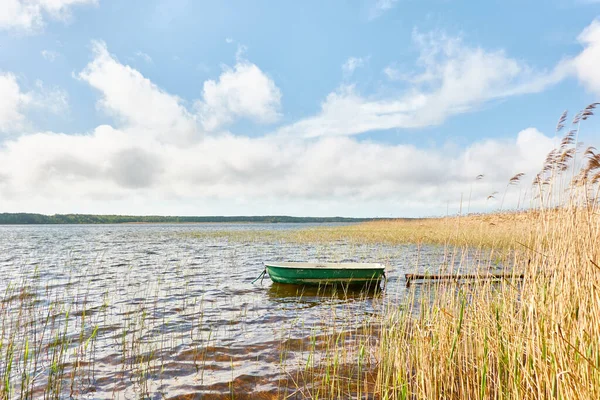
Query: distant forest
[{"x": 27, "y": 218}]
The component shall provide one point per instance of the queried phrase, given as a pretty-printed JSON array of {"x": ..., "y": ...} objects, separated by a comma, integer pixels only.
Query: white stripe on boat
[{"x": 306, "y": 265}]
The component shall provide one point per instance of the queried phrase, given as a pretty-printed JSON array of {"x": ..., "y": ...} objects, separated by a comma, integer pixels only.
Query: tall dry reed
[
  {"x": 535, "y": 339},
  {"x": 531, "y": 338}
]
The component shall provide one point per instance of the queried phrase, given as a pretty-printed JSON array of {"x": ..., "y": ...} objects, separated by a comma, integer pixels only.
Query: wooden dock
[{"x": 456, "y": 277}]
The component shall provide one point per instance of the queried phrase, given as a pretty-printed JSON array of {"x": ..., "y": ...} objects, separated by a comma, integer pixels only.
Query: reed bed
[
  {"x": 50, "y": 331},
  {"x": 500, "y": 231},
  {"x": 536, "y": 338}
]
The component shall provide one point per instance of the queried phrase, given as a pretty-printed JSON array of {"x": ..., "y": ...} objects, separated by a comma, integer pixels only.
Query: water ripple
[{"x": 154, "y": 310}]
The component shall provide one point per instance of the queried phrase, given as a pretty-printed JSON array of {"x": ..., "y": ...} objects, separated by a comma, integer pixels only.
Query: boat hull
[{"x": 319, "y": 275}]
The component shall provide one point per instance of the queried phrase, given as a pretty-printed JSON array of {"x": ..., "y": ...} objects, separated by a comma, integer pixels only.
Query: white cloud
[
  {"x": 14, "y": 102},
  {"x": 136, "y": 102},
  {"x": 453, "y": 79},
  {"x": 49, "y": 55},
  {"x": 29, "y": 15},
  {"x": 587, "y": 63},
  {"x": 53, "y": 99},
  {"x": 352, "y": 64},
  {"x": 393, "y": 74},
  {"x": 240, "y": 52},
  {"x": 243, "y": 91},
  {"x": 345, "y": 112},
  {"x": 226, "y": 174},
  {"x": 139, "y": 166},
  {"x": 143, "y": 56},
  {"x": 381, "y": 6},
  {"x": 385, "y": 4}
]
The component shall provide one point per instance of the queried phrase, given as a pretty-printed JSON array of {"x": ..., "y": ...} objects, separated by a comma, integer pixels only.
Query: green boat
[{"x": 302, "y": 273}]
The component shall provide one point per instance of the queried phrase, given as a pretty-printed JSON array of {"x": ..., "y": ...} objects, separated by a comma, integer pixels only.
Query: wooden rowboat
[{"x": 303, "y": 273}]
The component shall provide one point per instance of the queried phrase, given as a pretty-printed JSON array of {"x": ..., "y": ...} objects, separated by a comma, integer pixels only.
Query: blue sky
[{"x": 358, "y": 108}]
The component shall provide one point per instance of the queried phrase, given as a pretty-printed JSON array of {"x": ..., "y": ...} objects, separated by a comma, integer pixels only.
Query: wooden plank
[{"x": 412, "y": 277}]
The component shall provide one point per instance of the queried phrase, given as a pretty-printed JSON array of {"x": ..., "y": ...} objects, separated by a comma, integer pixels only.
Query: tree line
[{"x": 30, "y": 218}]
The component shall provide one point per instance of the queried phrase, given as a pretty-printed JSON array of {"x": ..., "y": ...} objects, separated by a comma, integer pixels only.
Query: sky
[{"x": 361, "y": 108}]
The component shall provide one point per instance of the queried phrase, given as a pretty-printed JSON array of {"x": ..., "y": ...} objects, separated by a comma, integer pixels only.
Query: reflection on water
[
  {"x": 280, "y": 292},
  {"x": 126, "y": 311}
]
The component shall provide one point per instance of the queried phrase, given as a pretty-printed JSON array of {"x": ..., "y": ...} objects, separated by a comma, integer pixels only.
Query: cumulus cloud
[
  {"x": 454, "y": 78},
  {"x": 136, "y": 102},
  {"x": 29, "y": 15},
  {"x": 128, "y": 165},
  {"x": 243, "y": 91},
  {"x": 50, "y": 98},
  {"x": 339, "y": 172},
  {"x": 313, "y": 167},
  {"x": 588, "y": 61},
  {"x": 14, "y": 102},
  {"x": 134, "y": 167}
]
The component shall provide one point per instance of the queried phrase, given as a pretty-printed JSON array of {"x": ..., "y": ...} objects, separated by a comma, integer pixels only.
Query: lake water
[{"x": 154, "y": 310}]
